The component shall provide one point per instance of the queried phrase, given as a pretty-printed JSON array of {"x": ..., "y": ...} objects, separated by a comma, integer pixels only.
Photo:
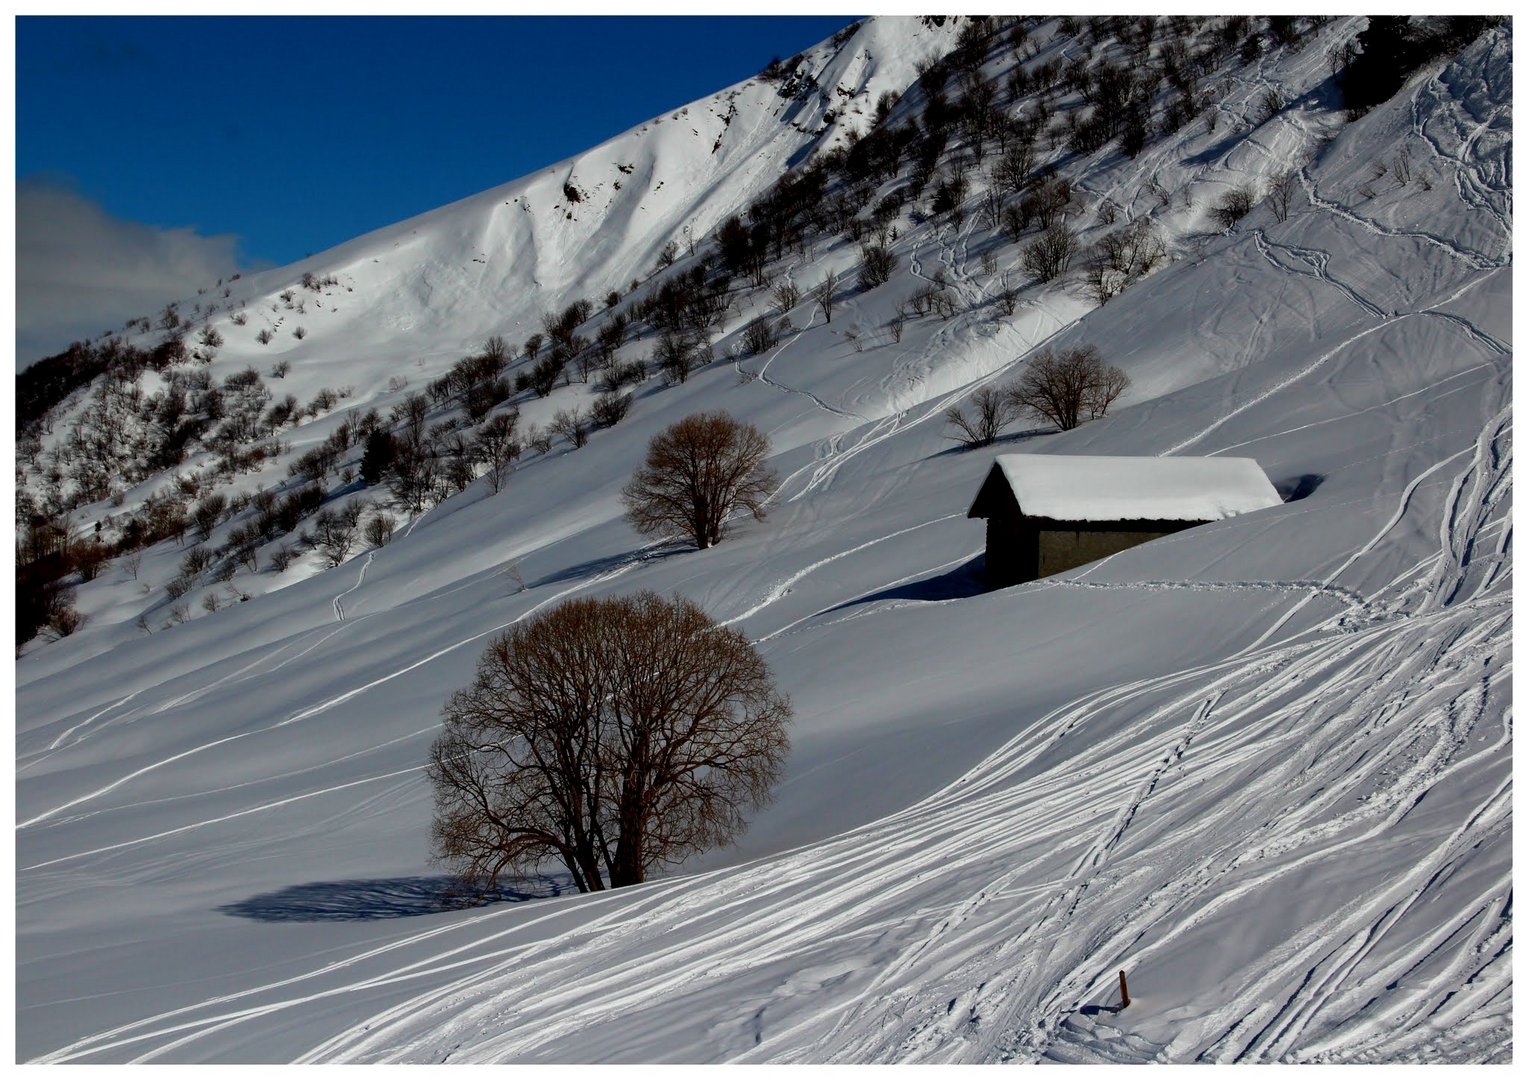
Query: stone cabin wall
[{"x": 1064, "y": 545}]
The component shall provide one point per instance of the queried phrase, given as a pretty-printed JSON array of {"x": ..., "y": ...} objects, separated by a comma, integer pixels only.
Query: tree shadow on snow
[
  {"x": 1215, "y": 151},
  {"x": 381, "y": 898},
  {"x": 997, "y": 444},
  {"x": 610, "y": 562}
]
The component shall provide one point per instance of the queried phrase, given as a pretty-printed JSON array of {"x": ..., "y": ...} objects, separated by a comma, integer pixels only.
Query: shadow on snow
[
  {"x": 997, "y": 443},
  {"x": 605, "y": 564},
  {"x": 1298, "y": 487},
  {"x": 967, "y": 579},
  {"x": 378, "y": 898}
]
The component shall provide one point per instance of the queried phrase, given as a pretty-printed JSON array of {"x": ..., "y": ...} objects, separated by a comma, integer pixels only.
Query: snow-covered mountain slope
[{"x": 1264, "y": 766}]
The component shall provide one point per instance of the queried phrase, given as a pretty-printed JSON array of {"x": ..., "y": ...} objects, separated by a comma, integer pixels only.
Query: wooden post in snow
[{"x": 1124, "y": 994}]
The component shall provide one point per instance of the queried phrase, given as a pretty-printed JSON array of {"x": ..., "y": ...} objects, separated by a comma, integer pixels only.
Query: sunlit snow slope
[{"x": 1264, "y": 766}]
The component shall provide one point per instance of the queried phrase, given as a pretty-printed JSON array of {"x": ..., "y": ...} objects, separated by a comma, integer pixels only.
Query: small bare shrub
[
  {"x": 989, "y": 412},
  {"x": 1270, "y": 104},
  {"x": 1281, "y": 190},
  {"x": 64, "y": 620},
  {"x": 877, "y": 263},
  {"x": 195, "y": 560},
  {"x": 1050, "y": 255},
  {"x": 1008, "y": 293},
  {"x": 786, "y": 294},
  {"x": 572, "y": 424},
  {"x": 609, "y": 410},
  {"x": 538, "y": 439},
  {"x": 379, "y": 529},
  {"x": 1233, "y": 206},
  {"x": 758, "y": 336}
]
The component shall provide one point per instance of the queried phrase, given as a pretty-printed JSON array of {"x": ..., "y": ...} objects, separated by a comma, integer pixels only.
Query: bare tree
[
  {"x": 379, "y": 528},
  {"x": 877, "y": 264},
  {"x": 609, "y": 409},
  {"x": 1123, "y": 257},
  {"x": 697, "y": 472},
  {"x": 824, "y": 294},
  {"x": 1048, "y": 202},
  {"x": 572, "y": 424},
  {"x": 498, "y": 446},
  {"x": 786, "y": 294},
  {"x": 1101, "y": 281},
  {"x": 1281, "y": 190},
  {"x": 676, "y": 355},
  {"x": 1051, "y": 253},
  {"x": 497, "y": 352},
  {"x": 615, "y": 736},
  {"x": 758, "y": 336},
  {"x": 1010, "y": 175},
  {"x": 1135, "y": 250},
  {"x": 333, "y": 536},
  {"x": 991, "y": 411},
  {"x": 1068, "y": 387},
  {"x": 412, "y": 472},
  {"x": 1008, "y": 293},
  {"x": 1233, "y": 206}
]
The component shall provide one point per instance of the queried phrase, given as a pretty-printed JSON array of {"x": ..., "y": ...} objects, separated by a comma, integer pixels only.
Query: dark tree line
[{"x": 1391, "y": 47}]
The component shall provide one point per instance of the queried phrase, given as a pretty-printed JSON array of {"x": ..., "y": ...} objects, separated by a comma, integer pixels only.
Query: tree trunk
[{"x": 627, "y": 867}]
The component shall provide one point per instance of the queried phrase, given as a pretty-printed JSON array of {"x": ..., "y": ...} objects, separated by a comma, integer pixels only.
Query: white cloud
[{"x": 80, "y": 270}]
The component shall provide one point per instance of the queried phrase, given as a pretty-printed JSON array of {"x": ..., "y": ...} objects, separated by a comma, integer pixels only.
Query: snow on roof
[{"x": 1099, "y": 488}]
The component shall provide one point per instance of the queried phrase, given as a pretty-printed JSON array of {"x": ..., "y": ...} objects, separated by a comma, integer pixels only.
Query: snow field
[{"x": 1263, "y": 765}]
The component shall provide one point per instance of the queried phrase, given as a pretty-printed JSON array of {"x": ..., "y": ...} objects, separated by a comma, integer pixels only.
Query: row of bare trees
[{"x": 1064, "y": 388}]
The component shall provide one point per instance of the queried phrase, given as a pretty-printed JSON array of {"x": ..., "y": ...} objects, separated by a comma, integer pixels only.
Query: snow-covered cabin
[{"x": 1050, "y": 512}]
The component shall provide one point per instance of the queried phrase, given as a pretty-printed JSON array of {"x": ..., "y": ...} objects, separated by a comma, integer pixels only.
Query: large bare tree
[
  {"x": 698, "y": 471},
  {"x": 612, "y": 735},
  {"x": 1068, "y": 387}
]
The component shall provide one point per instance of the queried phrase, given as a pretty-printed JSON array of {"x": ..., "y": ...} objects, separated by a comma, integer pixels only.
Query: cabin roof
[{"x": 1077, "y": 487}]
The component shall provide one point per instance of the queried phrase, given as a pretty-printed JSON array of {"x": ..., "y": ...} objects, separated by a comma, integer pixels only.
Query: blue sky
[{"x": 216, "y": 142}]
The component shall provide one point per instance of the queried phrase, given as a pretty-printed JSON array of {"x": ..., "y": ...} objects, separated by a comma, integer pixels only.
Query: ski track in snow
[
  {"x": 782, "y": 588},
  {"x": 1475, "y": 260},
  {"x": 339, "y": 610},
  {"x": 1385, "y": 320}
]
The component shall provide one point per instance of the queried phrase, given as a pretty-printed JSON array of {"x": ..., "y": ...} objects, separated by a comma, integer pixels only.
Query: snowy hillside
[{"x": 1264, "y": 765}]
